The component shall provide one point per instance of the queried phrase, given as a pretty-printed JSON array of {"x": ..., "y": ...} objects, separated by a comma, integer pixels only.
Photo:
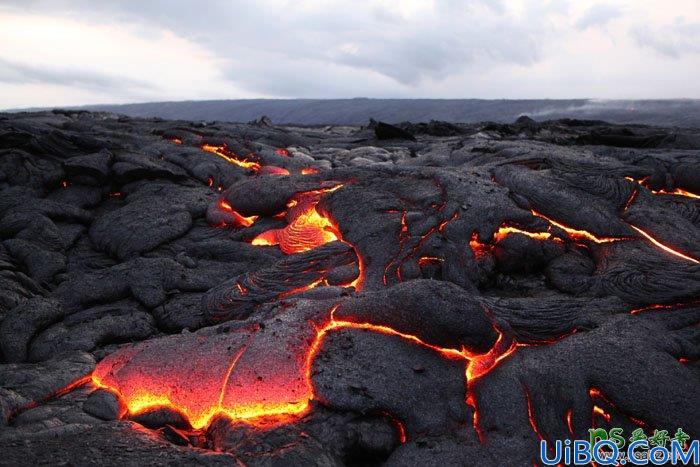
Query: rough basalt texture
[{"x": 433, "y": 294}]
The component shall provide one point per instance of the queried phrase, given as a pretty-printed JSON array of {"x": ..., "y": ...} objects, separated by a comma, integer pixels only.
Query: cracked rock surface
[{"x": 182, "y": 292}]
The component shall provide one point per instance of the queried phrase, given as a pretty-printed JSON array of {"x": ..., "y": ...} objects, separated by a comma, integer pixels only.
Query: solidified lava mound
[{"x": 434, "y": 294}]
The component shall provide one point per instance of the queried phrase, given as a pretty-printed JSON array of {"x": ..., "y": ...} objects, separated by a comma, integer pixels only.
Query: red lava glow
[
  {"x": 662, "y": 306},
  {"x": 227, "y": 155},
  {"x": 426, "y": 260},
  {"x": 598, "y": 411},
  {"x": 282, "y": 152},
  {"x": 666, "y": 248},
  {"x": 569, "y": 425},
  {"x": 115, "y": 194},
  {"x": 235, "y": 388},
  {"x": 631, "y": 199},
  {"x": 480, "y": 364},
  {"x": 307, "y": 228},
  {"x": 531, "y": 414},
  {"x": 240, "y": 220},
  {"x": 309, "y": 171},
  {"x": 471, "y": 402},
  {"x": 483, "y": 249},
  {"x": 676, "y": 192},
  {"x": 273, "y": 170},
  {"x": 578, "y": 234},
  {"x": 175, "y": 140},
  {"x": 65, "y": 183}
]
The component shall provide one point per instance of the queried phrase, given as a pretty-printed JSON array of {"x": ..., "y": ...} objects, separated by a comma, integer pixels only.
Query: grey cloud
[
  {"x": 352, "y": 35},
  {"x": 674, "y": 40},
  {"x": 598, "y": 15},
  {"x": 11, "y": 72}
]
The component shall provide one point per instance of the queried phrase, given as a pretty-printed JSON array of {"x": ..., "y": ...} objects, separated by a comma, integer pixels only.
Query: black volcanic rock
[
  {"x": 386, "y": 131},
  {"x": 438, "y": 293}
]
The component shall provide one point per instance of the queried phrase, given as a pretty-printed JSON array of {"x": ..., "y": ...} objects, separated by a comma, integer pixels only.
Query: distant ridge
[{"x": 680, "y": 112}]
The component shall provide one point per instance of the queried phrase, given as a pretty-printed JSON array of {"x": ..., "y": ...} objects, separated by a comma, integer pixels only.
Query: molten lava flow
[
  {"x": 426, "y": 260},
  {"x": 227, "y": 155},
  {"x": 506, "y": 230},
  {"x": 667, "y": 249},
  {"x": 631, "y": 199},
  {"x": 662, "y": 306},
  {"x": 569, "y": 425},
  {"x": 307, "y": 228},
  {"x": 676, "y": 191},
  {"x": 282, "y": 152},
  {"x": 240, "y": 220},
  {"x": 482, "y": 249},
  {"x": 175, "y": 140},
  {"x": 480, "y": 364},
  {"x": 309, "y": 171},
  {"x": 598, "y": 411},
  {"x": 403, "y": 238},
  {"x": 253, "y": 384},
  {"x": 400, "y": 429},
  {"x": 578, "y": 234},
  {"x": 531, "y": 414},
  {"x": 273, "y": 170},
  {"x": 471, "y": 402}
]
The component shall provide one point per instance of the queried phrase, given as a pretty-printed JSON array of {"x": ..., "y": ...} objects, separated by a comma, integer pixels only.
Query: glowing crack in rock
[
  {"x": 481, "y": 249},
  {"x": 676, "y": 191},
  {"x": 223, "y": 152},
  {"x": 665, "y": 248},
  {"x": 238, "y": 219}
]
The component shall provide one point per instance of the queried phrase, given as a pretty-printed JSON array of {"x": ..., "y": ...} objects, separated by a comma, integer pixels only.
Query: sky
[{"x": 75, "y": 52}]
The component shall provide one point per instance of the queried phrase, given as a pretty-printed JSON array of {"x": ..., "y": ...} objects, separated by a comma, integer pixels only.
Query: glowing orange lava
[
  {"x": 664, "y": 306},
  {"x": 245, "y": 387},
  {"x": 531, "y": 414},
  {"x": 227, "y": 155},
  {"x": 569, "y": 425},
  {"x": 273, "y": 170},
  {"x": 601, "y": 412},
  {"x": 578, "y": 234},
  {"x": 667, "y": 249},
  {"x": 676, "y": 191},
  {"x": 426, "y": 260},
  {"x": 307, "y": 228},
  {"x": 240, "y": 220},
  {"x": 482, "y": 249},
  {"x": 309, "y": 171}
]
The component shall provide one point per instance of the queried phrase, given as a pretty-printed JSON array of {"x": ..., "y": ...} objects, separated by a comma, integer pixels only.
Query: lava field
[{"x": 423, "y": 294}]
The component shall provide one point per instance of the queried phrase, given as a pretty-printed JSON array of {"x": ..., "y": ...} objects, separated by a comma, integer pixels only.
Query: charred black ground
[{"x": 431, "y": 294}]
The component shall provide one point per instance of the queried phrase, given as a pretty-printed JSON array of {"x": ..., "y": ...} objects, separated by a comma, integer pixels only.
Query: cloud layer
[{"x": 64, "y": 52}]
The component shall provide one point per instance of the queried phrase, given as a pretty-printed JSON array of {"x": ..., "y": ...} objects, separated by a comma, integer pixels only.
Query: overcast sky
[{"x": 63, "y": 52}]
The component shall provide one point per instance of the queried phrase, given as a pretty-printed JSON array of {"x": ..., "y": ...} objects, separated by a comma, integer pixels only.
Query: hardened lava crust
[{"x": 211, "y": 293}]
